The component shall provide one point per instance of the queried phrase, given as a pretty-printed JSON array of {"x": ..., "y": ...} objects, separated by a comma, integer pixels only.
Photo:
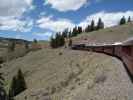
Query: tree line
[{"x": 59, "y": 39}]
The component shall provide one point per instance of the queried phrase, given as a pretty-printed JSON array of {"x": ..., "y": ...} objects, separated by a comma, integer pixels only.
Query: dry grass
[
  {"x": 49, "y": 74},
  {"x": 108, "y": 35},
  {"x": 63, "y": 74}
]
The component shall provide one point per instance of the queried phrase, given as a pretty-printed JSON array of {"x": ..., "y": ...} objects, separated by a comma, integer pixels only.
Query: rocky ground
[{"x": 64, "y": 74}]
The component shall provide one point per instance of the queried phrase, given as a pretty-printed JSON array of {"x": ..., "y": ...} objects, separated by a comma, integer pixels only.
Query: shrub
[
  {"x": 60, "y": 53},
  {"x": 53, "y": 90},
  {"x": 1, "y": 60},
  {"x": 64, "y": 83}
]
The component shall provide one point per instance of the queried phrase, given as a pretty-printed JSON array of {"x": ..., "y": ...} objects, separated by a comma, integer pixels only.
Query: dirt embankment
[{"x": 63, "y": 74}]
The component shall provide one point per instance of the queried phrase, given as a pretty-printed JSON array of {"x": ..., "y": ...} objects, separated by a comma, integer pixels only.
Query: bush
[
  {"x": 64, "y": 83},
  {"x": 1, "y": 60},
  {"x": 60, "y": 53}
]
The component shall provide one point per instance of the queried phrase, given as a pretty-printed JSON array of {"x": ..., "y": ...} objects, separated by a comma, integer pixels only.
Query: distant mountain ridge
[{"x": 2, "y": 39}]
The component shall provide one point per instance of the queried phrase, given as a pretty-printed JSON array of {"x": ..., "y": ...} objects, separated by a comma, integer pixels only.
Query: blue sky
[{"x": 29, "y": 19}]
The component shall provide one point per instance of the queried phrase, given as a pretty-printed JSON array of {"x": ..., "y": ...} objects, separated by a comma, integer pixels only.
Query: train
[{"x": 123, "y": 51}]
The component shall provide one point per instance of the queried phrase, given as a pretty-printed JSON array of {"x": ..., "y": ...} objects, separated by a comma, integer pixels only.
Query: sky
[{"x": 40, "y": 19}]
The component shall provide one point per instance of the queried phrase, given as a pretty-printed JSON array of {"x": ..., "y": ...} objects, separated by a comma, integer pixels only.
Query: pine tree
[
  {"x": 18, "y": 85},
  {"x": 13, "y": 89},
  {"x": 61, "y": 40},
  {"x": 3, "y": 95},
  {"x": 79, "y": 30},
  {"x": 122, "y": 21},
  {"x": 35, "y": 41},
  {"x": 20, "y": 82},
  {"x": 58, "y": 41},
  {"x": 100, "y": 24},
  {"x": 74, "y": 32},
  {"x": 88, "y": 28},
  {"x": 65, "y": 33},
  {"x": 129, "y": 19},
  {"x": 92, "y": 27},
  {"x": 70, "y": 34}
]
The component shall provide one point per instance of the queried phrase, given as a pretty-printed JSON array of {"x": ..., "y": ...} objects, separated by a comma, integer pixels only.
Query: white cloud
[
  {"x": 109, "y": 19},
  {"x": 66, "y": 5},
  {"x": 45, "y": 36},
  {"x": 15, "y": 24},
  {"x": 14, "y": 8},
  {"x": 18, "y": 36},
  {"x": 54, "y": 25},
  {"x": 11, "y": 11}
]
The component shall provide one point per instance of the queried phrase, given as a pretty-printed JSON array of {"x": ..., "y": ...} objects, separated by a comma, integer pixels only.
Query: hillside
[
  {"x": 108, "y": 35},
  {"x": 70, "y": 74},
  {"x": 19, "y": 48},
  {"x": 64, "y": 74}
]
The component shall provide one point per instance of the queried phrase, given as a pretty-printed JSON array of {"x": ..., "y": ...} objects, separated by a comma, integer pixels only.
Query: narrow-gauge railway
[{"x": 123, "y": 51}]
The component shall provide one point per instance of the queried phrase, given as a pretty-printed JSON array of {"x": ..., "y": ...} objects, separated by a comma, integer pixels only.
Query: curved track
[{"x": 124, "y": 52}]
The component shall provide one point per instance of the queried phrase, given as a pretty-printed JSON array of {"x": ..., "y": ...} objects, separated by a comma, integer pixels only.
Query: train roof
[
  {"x": 128, "y": 42},
  {"x": 99, "y": 44}
]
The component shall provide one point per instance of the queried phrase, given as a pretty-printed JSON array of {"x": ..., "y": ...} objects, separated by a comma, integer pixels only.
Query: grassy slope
[
  {"x": 108, "y": 35},
  {"x": 70, "y": 75},
  {"x": 65, "y": 74}
]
